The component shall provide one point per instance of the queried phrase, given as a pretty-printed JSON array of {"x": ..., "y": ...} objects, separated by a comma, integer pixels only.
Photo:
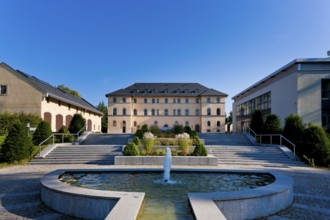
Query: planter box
[{"x": 159, "y": 160}]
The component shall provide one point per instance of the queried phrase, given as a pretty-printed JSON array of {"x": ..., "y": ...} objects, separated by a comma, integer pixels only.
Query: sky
[{"x": 97, "y": 47}]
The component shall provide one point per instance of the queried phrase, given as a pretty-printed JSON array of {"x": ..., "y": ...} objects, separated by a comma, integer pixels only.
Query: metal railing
[
  {"x": 63, "y": 135},
  {"x": 281, "y": 138}
]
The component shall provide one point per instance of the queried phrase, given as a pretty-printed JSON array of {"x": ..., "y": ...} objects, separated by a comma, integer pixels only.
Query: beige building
[
  {"x": 20, "y": 92},
  {"x": 301, "y": 87},
  {"x": 166, "y": 105}
]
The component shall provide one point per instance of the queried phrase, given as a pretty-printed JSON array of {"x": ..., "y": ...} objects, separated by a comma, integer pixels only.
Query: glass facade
[
  {"x": 245, "y": 110},
  {"x": 326, "y": 104}
]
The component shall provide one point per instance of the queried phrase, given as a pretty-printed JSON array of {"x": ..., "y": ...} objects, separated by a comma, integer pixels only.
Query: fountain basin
[{"x": 89, "y": 203}]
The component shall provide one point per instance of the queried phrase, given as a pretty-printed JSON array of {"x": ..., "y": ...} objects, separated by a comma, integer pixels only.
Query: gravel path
[{"x": 20, "y": 192}]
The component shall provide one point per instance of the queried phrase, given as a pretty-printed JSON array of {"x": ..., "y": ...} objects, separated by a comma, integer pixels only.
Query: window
[
  {"x": 157, "y": 100},
  {"x": 179, "y": 101},
  {"x": 135, "y": 123},
  {"x": 174, "y": 100},
  {"x": 187, "y": 101},
  {"x": 114, "y": 99},
  {"x": 135, "y": 112},
  {"x": 145, "y": 100},
  {"x": 197, "y": 112},
  {"x": 208, "y": 123},
  {"x": 187, "y": 124},
  {"x": 208, "y": 112},
  {"x": 166, "y": 101},
  {"x": 197, "y": 100},
  {"x": 179, "y": 112},
  {"x": 114, "y": 123},
  {"x": 124, "y": 111},
  {"x": 166, "y": 112},
  {"x": 153, "y": 101},
  {"x": 218, "y": 99},
  {"x": 3, "y": 90},
  {"x": 218, "y": 123},
  {"x": 145, "y": 112},
  {"x": 114, "y": 111},
  {"x": 153, "y": 112},
  {"x": 157, "y": 112},
  {"x": 208, "y": 100},
  {"x": 124, "y": 100},
  {"x": 187, "y": 112},
  {"x": 174, "y": 112},
  {"x": 135, "y": 101},
  {"x": 218, "y": 111}
]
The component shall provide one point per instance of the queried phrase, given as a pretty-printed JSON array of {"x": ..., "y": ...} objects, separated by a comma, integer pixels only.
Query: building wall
[
  {"x": 157, "y": 105},
  {"x": 21, "y": 96}
]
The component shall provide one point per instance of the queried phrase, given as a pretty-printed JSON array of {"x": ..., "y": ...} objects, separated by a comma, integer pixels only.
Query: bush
[
  {"x": 294, "y": 129},
  {"x": 131, "y": 150},
  {"x": 187, "y": 130},
  {"x": 136, "y": 141},
  {"x": 17, "y": 145},
  {"x": 145, "y": 128},
  {"x": 67, "y": 137},
  {"x": 183, "y": 142},
  {"x": 317, "y": 145},
  {"x": 178, "y": 129},
  {"x": 155, "y": 130},
  {"x": 139, "y": 133},
  {"x": 196, "y": 140},
  {"x": 7, "y": 120},
  {"x": 42, "y": 132},
  {"x": 272, "y": 124},
  {"x": 148, "y": 142},
  {"x": 257, "y": 122},
  {"x": 77, "y": 123},
  {"x": 200, "y": 150}
]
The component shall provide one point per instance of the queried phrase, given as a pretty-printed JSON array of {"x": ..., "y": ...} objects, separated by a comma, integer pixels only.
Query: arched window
[
  {"x": 166, "y": 112},
  {"x": 208, "y": 123},
  {"x": 124, "y": 111},
  {"x": 218, "y": 111},
  {"x": 197, "y": 111},
  {"x": 145, "y": 112},
  {"x": 218, "y": 123},
  {"x": 187, "y": 112},
  {"x": 153, "y": 112},
  {"x": 124, "y": 123},
  {"x": 114, "y": 123},
  {"x": 68, "y": 120},
  {"x": 135, "y": 112},
  {"x": 48, "y": 118},
  {"x": 179, "y": 112},
  {"x": 89, "y": 125},
  {"x": 114, "y": 111},
  {"x": 208, "y": 112},
  {"x": 59, "y": 122}
]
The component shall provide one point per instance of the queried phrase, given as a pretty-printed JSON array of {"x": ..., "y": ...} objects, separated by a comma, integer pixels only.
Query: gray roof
[
  {"x": 167, "y": 89},
  {"x": 56, "y": 93},
  {"x": 274, "y": 74}
]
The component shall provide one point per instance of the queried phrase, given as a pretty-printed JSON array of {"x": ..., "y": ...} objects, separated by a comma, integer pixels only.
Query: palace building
[
  {"x": 21, "y": 92},
  {"x": 166, "y": 105},
  {"x": 301, "y": 87}
]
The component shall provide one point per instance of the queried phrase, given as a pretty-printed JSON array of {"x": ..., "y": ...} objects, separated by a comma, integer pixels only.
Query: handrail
[
  {"x": 58, "y": 134},
  {"x": 271, "y": 139}
]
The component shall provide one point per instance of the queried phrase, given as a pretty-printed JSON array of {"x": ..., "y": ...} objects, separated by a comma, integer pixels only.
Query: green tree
[
  {"x": 272, "y": 124},
  {"x": 257, "y": 122},
  {"x": 316, "y": 145},
  {"x": 42, "y": 132},
  {"x": 294, "y": 129},
  {"x": 104, "y": 121},
  {"x": 77, "y": 123},
  {"x": 17, "y": 145},
  {"x": 145, "y": 128},
  {"x": 155, "y": 130},
  {"x": 131, "y": 150},
  {"x": 66, "y": 89},
  {"x": 200, "y": 150},
  {"x": 178, "y": 129},
  {"x": 229, "y": 120}
]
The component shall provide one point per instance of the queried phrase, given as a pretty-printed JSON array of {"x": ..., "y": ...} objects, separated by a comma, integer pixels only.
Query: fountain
[{"x": 167, "y": 165}]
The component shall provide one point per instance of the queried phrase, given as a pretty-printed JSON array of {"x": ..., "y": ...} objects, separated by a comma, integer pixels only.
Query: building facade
[
  {"x": 166, "y": 105},
  {"x": 301, "y": 87},
  {"x": 20, "y": 92}
]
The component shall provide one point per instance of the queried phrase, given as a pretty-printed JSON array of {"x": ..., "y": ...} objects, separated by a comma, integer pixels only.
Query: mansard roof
[
  {"x": 166, "y": 89},
  {"x": 54, "y": 92}
]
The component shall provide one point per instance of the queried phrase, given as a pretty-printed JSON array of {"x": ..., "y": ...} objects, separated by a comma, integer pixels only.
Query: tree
[
  {"x": 257, "y": 122},
  {"x": 66, "y": 89},
  {"x": 294, "y": 129},
  {"x": 104, "y": 121},
  {"x": 272, "y": 125},
  {"x": 229, "y": 120},
  {"x": 17, "y": 145},
  {"x": 77, "y": 123},
  {"x": 178, "y": 129},
  {"x": 42, "y": 132}
]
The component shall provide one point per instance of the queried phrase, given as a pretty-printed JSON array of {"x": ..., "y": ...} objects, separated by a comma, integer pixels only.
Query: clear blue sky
[{"x": 97, "y": 47}]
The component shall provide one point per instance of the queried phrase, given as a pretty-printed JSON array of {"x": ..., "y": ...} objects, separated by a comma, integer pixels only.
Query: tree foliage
[
  {"x": 272, "y": 124},
  {"x": 200, "y": 150},
  {"x": 294, "y": 129},
  {"x": 257, "y": 122},
  {"x": 42, "y": 132},
  {"x": 77, "y": 123},
  {"x": 17, "y": 145},
  {"x": 131, "y": 150},
  {"x": 104, "y": 121},
  {"x": 66, "y": 89}
]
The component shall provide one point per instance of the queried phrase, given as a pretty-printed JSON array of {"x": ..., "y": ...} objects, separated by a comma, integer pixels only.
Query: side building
[
  {"x": 301, "y": 87},
  {"x": 20, "y": 92},
  {"x": 166, "y": 105}
]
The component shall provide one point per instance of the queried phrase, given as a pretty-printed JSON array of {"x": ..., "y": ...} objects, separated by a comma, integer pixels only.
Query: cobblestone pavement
[{"x": 20, "y": 192}]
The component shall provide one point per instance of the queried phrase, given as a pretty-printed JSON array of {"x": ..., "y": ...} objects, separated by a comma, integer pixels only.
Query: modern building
[
  {"x": 301, "y": 87},
  {"x": 166, "y": 105},
  {"x": 20, "y": 92}
]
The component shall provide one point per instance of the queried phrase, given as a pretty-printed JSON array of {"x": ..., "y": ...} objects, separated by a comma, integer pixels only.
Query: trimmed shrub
[
  {"x": 77, "y": 123},
  {"x": 200, "y": 150},
  {"x": 272, "y": 124},
  {"x": 131, "y": 150},
  {"x": 136, "y": 141},
  {"x": 42, "y": 132},
  {"x": 155, "y": 130},
  {"x": 257, "y": 122},
  {"x": 316, "y": 145},
  {"x": 178, "y": 129},
  {"x": 17, "y": 145},
  {"x": 139, "y": 133},
  {"x": 294, "y": 129},
  {"x": 196, "y": 140},
  {"x": 187, "y": 130},
  {"x": 67, "y": 137},
  {"x": 145, "y": 128}
]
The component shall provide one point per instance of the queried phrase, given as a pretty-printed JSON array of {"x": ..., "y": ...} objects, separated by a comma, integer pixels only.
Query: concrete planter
[{"x": 159, "y": 160}]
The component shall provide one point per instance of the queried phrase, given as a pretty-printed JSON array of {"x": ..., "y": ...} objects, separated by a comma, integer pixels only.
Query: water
[
  {"x": 167, "y": 200},
  {"x": 167, "y": 164}
]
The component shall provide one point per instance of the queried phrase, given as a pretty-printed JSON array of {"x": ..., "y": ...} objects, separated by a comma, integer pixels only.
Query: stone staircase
[
  {"x": 267, "y": 156},
  {"x": 81, "y": 154}
]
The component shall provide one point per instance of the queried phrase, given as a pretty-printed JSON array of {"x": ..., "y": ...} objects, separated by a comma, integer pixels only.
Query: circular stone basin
[{"x": 167, "y": 200}]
